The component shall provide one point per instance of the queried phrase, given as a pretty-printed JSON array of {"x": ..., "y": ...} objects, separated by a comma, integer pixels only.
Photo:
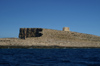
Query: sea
[{"x": 50, "y": 57}]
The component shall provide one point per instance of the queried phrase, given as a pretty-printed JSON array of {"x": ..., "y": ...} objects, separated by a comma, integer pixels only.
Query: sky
[{"x": 81, "y": 16}]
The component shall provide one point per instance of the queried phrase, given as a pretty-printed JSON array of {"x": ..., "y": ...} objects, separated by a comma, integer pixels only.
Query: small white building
[{"x": 66, "y": 29}]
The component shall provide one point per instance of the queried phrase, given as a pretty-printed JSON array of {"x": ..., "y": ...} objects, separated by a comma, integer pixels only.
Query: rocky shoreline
[{"x": 41, "y": 47}]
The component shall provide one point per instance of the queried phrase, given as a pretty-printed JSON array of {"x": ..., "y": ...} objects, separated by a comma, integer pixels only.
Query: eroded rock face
[{"x": 30, "y": 32}]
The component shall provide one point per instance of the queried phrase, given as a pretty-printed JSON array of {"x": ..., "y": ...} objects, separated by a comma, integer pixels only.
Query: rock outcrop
[{"x": 30, "y": 32}]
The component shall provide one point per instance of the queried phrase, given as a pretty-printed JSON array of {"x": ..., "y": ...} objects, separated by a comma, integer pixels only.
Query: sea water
[{"x": 50, "y": 57}]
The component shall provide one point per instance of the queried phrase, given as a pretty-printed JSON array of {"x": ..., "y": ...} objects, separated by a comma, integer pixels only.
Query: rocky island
[{"x": 49, "y": 38}]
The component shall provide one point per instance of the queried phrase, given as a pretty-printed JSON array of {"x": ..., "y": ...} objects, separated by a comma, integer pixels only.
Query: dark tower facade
[{"x": 30, "y": 32}]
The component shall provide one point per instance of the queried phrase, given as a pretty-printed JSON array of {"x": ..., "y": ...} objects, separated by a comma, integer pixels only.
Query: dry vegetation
[{"x": 68, "y": 35}]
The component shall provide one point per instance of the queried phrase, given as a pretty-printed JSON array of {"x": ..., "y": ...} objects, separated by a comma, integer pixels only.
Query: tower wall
[{"x": 66, "y": 29}]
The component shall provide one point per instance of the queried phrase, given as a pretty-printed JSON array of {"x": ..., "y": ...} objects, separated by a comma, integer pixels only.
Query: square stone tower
[{"x": 66, "y": 29}]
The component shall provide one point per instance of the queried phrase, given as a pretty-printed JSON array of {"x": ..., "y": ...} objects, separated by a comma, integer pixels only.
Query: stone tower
[{"x": 66, "y": 29}]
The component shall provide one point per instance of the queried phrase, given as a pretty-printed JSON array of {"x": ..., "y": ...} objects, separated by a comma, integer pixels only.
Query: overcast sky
[{"x": 80, "y": 15}]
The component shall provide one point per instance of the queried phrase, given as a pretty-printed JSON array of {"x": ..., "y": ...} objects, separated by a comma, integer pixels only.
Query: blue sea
[{"x": 50, "y": 57}]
